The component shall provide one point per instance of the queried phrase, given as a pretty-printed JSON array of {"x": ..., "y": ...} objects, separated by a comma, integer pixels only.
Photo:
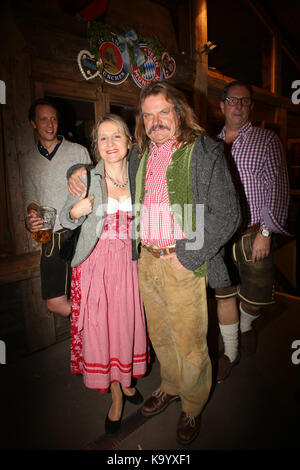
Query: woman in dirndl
[{"x": 108, "y": 332}]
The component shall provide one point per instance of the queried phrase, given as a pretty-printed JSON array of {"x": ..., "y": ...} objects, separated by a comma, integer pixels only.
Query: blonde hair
[
  {"x": 188, "y": 128},
  {"x": 118, "y": 121}
]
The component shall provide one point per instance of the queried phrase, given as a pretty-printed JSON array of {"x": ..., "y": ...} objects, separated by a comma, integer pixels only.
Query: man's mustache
[{"x": 157, "y": 126}]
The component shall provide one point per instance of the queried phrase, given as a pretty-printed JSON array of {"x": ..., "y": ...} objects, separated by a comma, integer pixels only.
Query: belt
[
  {"x": 158, "y": 252},
  {"x": 253, "y": 228}
]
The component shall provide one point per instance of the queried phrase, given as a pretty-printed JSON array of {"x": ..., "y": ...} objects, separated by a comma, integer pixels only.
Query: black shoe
[
  {"x": 136, "y": 399},
  {"x": 112, "y": 427}
]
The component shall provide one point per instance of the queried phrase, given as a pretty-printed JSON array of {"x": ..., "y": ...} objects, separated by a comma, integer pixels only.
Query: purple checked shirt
[{"x": 259, "y": 172}]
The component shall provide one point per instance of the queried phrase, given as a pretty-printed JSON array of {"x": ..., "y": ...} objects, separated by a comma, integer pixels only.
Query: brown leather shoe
[
  {"x": 188, "y": 428},
  {"x": 225, "y": 366},
  {"x": 249, "y": 341},
  {"x": 157, "y": 403}
]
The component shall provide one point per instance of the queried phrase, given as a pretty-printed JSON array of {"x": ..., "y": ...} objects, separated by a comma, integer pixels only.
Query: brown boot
[
  {"x": 157, "y": 403},
  {"x": 188, "y": 428},
  {"x": 225, "y": 366}
]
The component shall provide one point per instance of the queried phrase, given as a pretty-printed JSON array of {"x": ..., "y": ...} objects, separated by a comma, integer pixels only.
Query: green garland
[{"x": 99, "y": 32}]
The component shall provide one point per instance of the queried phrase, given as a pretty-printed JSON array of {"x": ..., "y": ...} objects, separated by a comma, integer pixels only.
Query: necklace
[{"x": 116, "y": 184}]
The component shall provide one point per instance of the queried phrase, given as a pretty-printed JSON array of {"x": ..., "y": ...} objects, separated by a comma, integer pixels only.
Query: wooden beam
[
  {"x": 185, "y": 34},
  {"x": 102, "y": 105},
  {"x": 4, "y": 227},
  {"x": 17, "y": 135},
  {"x": 19, "y": 267},
  {"x": 275, "y": 69},
  {"x": 200, "y": 82}
]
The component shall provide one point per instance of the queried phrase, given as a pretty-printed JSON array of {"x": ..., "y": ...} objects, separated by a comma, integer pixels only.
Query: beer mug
[{"x": 48, "y": 216}]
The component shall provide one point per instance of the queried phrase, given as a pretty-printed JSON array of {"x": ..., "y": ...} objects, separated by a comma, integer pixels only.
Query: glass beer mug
[{"x": 48, "y": 216}]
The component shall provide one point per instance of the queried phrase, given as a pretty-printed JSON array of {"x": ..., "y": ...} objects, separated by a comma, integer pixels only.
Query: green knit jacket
[{"x": 179, "y": 185}]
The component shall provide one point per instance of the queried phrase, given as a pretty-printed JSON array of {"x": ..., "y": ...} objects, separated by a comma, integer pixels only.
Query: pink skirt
[{"x": 108, "y": 332}]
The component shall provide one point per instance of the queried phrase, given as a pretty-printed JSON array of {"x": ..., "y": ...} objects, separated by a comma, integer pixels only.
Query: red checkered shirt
[{"x": 158, "y": 226}]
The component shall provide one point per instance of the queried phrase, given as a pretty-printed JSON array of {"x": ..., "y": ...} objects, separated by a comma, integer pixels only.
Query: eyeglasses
[{"x": 233, "y": 101}]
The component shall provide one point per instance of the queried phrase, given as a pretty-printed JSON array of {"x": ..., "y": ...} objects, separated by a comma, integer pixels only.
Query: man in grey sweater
[{"x": 43, "y": 173}]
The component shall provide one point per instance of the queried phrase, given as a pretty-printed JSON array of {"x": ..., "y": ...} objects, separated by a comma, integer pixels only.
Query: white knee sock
[
  {"x": 246, "y": 320},
  {"x": 230, "y": 339}
]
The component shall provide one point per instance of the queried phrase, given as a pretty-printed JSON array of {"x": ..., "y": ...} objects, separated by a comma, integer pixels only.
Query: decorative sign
[
  {"x": 88, "y": 65},
  {"x": 114, "y": 56},
  {"x": 152, "y": 70},
  {"x": 169, "y": 65},
  {"x": 130, "y": 41},
  {"x": 113, "y": 70}
]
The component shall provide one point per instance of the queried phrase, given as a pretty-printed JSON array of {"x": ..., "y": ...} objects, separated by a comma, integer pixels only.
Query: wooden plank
[
  {"x": 200, "y": 80},
  {"x": 125, "y": 94},
  {"x": 45, "y": 70},
  {"x": 185, "y": 36},
  {"x": 275, "y": 68},
  {"x": 66, "y": 89},
  {"x": 17, "y": 132},
  {"x": 102, "y": 105},
  {"x": 4, "y": 227},
  {"x": 19, "y": 267}
]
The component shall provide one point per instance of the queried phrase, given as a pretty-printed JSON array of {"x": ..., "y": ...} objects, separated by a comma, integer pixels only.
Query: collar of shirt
[
  {"x": 243, "y": 131},
  {"x": 43, "y": 151},
  {"x": 168, "y": 147}
]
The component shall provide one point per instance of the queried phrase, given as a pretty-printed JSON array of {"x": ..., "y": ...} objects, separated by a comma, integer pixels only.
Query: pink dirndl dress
[{"x": 108, "y": 332}]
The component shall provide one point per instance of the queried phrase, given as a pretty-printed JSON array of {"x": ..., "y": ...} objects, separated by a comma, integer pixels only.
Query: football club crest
[
  {"x": 113, "y": 71},
  {"x": 152, "y": 70}
]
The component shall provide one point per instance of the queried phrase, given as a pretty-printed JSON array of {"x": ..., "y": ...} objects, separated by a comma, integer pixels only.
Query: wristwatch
[{"x": 265, "y": 232}]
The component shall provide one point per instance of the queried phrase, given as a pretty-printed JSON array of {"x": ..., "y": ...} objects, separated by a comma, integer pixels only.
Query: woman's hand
[
  {"x": 83, "y": 206},
  {"x": 75, "y": 184}
]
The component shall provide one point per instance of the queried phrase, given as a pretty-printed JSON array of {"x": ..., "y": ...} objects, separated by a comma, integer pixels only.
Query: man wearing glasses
[{"x": 259, "y": 172}]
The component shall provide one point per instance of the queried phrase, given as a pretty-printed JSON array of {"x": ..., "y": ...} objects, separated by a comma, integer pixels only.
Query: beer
[
  {"x": 47, "y": 216},
  {"x": 42, "y": 236}
]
